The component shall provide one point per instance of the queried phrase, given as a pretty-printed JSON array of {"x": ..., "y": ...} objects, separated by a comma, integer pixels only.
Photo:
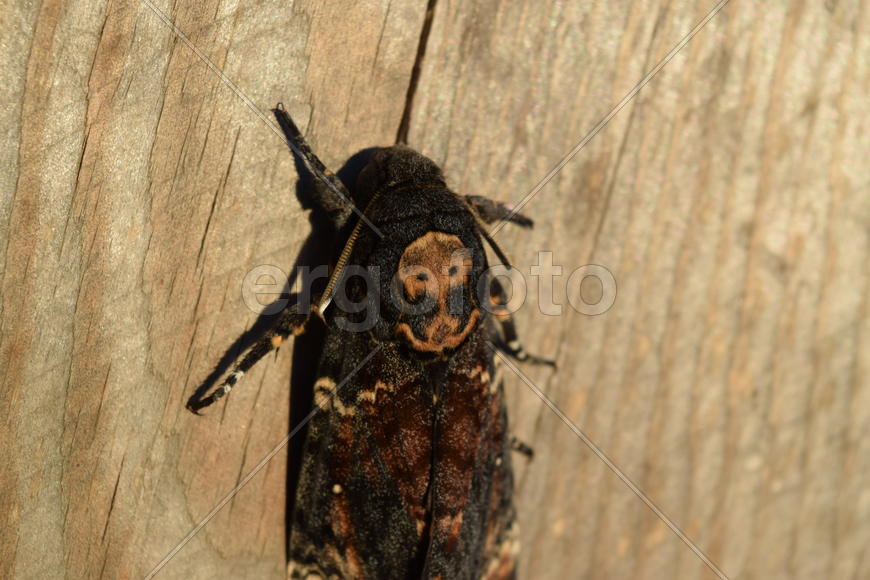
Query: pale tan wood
[
  {"x": 729, "y": 199},
  {"x": 137, "y": 191}
]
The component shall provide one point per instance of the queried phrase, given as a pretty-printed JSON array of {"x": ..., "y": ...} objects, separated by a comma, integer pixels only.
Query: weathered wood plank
[
  {"x": 729, "y": 199},
  {"x": 137, "y": 191}
]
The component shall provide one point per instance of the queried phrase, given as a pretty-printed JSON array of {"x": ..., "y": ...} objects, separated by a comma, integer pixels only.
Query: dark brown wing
[
  {"x": 473, "y": 529},
  {"x": 361, "y": 498},
  {"x": 376, "y": 497}
]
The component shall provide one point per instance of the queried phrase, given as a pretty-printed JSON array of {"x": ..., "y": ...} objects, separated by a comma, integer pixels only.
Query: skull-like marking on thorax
[{"x": 436, "y": 267}]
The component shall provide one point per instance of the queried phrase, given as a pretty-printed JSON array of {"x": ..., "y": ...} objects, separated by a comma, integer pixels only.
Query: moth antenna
[{"x": 342, "y": 261}]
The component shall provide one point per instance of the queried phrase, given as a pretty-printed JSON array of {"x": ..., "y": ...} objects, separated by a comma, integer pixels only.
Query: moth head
[
  {"x": 433, "y": 286},
  {"x": 389, "y": 167}
]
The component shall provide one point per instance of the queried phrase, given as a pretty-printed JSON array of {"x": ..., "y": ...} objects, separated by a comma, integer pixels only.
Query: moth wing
[
  {"x": 360, "y": 501},
  {"x": 473, "y": 521}
]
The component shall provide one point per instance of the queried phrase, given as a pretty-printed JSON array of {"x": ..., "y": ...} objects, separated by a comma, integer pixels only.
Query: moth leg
[
  {"x": 290, "y": 321},
  {"x": 512, "y": 345},
  {"x": 329, "y": 192},
  {"x": 492, "y": 211},
  {"x": 520, "y": 447}
]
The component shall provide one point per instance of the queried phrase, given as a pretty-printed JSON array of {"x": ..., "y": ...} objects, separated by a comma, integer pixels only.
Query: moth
[{"x": 406, "y": 471}]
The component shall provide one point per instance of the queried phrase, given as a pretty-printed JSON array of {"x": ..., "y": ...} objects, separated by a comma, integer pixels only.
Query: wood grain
[
  {"x": 729, "y": 199},
  {"x": 138, "y": 190}
]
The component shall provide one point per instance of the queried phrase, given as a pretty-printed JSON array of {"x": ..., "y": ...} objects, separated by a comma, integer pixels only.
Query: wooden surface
[{"x": 729, "y": 199}]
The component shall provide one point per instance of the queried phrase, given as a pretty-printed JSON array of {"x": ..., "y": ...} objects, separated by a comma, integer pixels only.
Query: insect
[{"x": 406, "y": 470}]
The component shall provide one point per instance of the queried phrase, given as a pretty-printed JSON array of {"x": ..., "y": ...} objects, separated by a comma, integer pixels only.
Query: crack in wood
[{"x": 402, "y": 133}]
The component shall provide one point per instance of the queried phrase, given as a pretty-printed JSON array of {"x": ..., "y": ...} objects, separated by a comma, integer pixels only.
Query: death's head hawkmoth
[{"x": 406, "y": 471}]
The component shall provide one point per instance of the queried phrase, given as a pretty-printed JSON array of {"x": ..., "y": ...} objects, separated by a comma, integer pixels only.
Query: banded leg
[
  {"x": 522, "y": 448},
  {"x": 492, "y": 211},
  {"x": 512, "y": 345},
  {"x": 329, "y": 192},
  {"x": 290, "y": 321}
]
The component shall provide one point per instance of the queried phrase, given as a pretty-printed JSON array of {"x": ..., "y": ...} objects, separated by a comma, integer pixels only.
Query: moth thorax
[{"x": 434, "y": 282}]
